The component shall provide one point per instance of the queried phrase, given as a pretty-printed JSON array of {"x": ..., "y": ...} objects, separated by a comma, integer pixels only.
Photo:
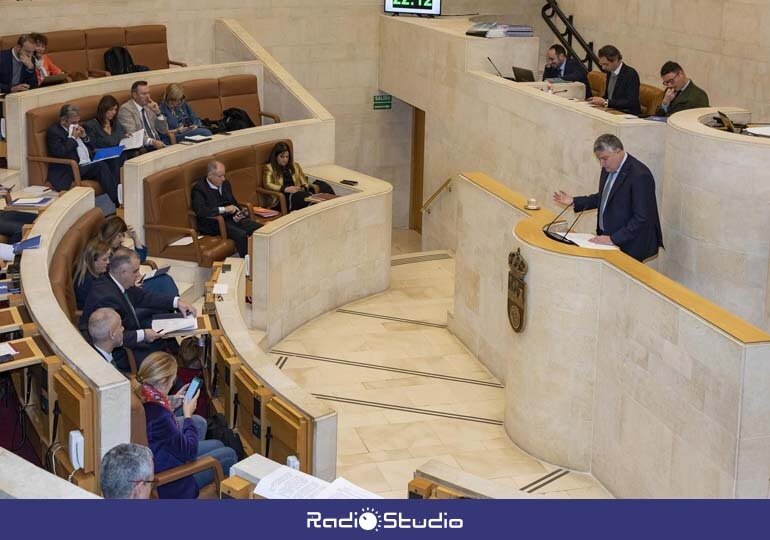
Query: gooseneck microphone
[{"x": 558, "y": 237}]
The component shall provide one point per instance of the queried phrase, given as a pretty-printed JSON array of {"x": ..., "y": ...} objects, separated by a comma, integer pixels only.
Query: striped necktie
[
  {"x": 606, "y": 195},
  {"x": 131, "y": 307}
]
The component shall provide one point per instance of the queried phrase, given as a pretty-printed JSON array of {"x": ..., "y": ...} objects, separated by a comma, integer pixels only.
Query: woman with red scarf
[{"x": 171, "y": 445}]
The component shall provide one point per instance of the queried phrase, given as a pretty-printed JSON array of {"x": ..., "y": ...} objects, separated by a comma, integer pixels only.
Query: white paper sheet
[
  {"x": 7, "y": 349},
  {"x": 581, "y": 239},
  {"x": 197, "y": 138},
  {"x": 135, "y": 140},
  {"x": 221, "y": 288},
  {"x": 287, "y": 483},
  {"x": 29, "y": 201},
  {"x": 175, "y": 325},
  {"x": 343, "y": 489},
  {"x": 184, "y": 241},
  {"x": 6, "y": 252}
]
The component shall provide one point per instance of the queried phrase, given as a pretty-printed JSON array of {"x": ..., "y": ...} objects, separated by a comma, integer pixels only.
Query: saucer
[{"x": 528, "y": 207}]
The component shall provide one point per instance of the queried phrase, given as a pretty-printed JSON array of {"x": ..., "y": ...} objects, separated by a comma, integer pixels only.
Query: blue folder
[{"x": 107, "y": 153}]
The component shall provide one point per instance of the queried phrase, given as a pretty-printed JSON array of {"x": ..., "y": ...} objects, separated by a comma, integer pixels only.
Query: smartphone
[
  {"x": 350, "y": 182},
  {"x": 192, "y": 389}
]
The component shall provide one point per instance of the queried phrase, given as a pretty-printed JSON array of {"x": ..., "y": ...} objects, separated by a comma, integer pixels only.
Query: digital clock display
[{"x": 424, "y": 7}]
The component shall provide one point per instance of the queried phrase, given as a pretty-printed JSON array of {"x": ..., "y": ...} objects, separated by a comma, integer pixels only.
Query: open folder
[{"x": 111, "y": 152}]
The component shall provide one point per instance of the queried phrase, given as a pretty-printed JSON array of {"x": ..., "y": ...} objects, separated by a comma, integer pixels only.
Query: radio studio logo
[{"x": 370, "y": 519}]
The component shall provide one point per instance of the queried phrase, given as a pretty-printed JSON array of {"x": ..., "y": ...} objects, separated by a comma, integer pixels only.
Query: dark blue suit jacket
[
  {"x": 573, "y": 71},
  {"x": 631, "y": 214},
  {"x": 6, "y": 73},
  {"x": 171, "y": 448},
  {"x": 60, "y": 145},
  {"x": 625, "y": 97},
  {"x": 105, "y": 293}
]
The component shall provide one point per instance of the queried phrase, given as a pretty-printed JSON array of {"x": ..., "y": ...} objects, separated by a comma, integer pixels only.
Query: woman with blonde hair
[
  {"x": 182, "y": 120},
  {"x": 93, "y": 262},
  {"x": 171, "y": 444}
]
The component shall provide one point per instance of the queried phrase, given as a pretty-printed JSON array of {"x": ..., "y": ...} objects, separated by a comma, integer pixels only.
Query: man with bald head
[
  {"x": 212, "y": 196},
  {"x": 106, "y": 331},
  {"x": 116, "y": 289}
]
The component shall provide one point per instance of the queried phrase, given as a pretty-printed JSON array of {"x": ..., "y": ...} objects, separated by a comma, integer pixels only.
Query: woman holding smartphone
[
  {"x": 171, "y": 444},
  {"x": 182, "y": 120}
]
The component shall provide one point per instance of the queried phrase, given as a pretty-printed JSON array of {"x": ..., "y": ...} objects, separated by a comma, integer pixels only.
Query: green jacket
[{"x": 692, "y": 97}]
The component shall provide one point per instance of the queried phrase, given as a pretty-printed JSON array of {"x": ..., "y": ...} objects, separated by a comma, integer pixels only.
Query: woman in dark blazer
[
  {"x": 171, "y": 444},
  {"x": 93, "y": 263},
  {"x": 105, "y": 131}
]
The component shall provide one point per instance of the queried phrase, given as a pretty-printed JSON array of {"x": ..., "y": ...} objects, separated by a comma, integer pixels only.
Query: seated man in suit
[
  {"x": 558, "y": 66},
  {"x": 681, "y": 92},
  {"x": 628, "y": 211},
  {"x": 621, "y": 91},
  {"x": 213, "y": 196},
  {"x": 141, "y": 112},
  {"x": 17, "y": 67},
  {"x": 67, "y": 139},
  {"x": 106, "y": 331},
  {"x": 116, "y": 289}
]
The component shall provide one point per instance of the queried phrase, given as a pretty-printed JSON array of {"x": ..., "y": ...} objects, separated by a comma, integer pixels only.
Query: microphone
[
  {"x": 573, "y": 224},
  {"x": 556, "y": 236},
  {"x": 559, "y": 91},
  {"x": 494, "y": 66}
]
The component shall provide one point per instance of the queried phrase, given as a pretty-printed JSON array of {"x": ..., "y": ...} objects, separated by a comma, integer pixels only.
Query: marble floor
[{"x": 406, "y": 390}]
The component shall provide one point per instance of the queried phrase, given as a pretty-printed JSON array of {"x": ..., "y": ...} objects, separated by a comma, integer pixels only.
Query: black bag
[
  {"x": 214, "y": 126},
  {"x": 138, "y": 67},
  {"x": 118, "y": 61},
  {"x": 236, "y": 119},
  {"x": 217, "y": 429}
]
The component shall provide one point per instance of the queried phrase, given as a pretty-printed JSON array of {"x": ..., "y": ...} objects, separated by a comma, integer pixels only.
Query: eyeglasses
[
  {"x": 152, "y": 482},
  {"x": 670, "y": 80}
]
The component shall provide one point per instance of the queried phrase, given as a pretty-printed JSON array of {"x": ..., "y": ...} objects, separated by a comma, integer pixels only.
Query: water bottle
[{"x": 292, "y": 462}]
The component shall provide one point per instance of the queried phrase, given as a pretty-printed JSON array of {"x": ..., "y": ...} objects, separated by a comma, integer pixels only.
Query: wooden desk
[
  {"x": 205, "y": 326},
  {"x": 30, "y": 353}
]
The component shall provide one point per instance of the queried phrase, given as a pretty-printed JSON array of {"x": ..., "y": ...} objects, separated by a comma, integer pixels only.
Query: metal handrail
[
  {"x": 445, "y": 186},
  {"x": 552, "y": 10}
]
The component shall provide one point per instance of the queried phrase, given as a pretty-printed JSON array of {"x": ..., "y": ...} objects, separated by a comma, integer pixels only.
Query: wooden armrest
[
  {"x": 281, "y": 198},
  {"x": 152, "y": 264},
  {"x": 175, "y": 230},
  {"x": 171, "y": 136},
  {"x": 71, "y": 162},
  {"x": 188, "y": 469},
  {"x": 177, "y": 63},
  {"x": 275, "y": 117},
  {"x": 220, "y": 222},
  {"x": 98, "y": 73}
]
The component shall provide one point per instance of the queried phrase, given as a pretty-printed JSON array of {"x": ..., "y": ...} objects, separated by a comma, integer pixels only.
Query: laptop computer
[
  {"x": 523, "y": 75},
  {"x": 53, "y": 79}
]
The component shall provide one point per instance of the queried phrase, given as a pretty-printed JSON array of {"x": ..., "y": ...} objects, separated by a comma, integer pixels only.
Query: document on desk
[
  {"x": 184, "y": 241},
  {"x": 133, "y": 141},
  {"x": 582, "y": 240},
  {"x": 343, "y": 489},
  {"x": 288, "y": 483},
  {"x": 7, "y": 352},
  {"x": 221, "y": 288},
  {"x": 175, "y": 324},
  {"x": 31, "y": 201}
]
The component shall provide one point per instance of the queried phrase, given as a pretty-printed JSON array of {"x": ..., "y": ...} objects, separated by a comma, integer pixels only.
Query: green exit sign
[{"x": 383, "y": 102}]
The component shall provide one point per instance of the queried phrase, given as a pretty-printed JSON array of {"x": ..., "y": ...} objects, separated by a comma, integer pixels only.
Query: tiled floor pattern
[{"x": 406, "y": 390}]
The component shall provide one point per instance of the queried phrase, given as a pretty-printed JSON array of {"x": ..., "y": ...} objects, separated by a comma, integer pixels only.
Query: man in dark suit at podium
[
  {"x": 213, "y": 196},
  {"x": 621, "y": 91},
  {"x": 628, "y": 211},
  {"x": 558, "y": 66}
]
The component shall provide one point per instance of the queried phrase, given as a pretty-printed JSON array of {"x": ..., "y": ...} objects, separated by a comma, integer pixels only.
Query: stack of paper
[
  {"x": 36, "y": 201},
  {"x": 288, "y": 483},
  {"x": 7, "y": 352},
  {"x": 176, "y": 324},
  {"x": 133, "y": 141},
  {"x": 265, "y": 212}
]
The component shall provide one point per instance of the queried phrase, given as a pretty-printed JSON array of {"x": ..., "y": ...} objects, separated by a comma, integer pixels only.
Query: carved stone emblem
[{"x": 517, "y": 290}]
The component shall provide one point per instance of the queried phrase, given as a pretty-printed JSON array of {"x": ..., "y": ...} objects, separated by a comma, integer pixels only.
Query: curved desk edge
[
  {"x": 466, "y": 483},
  {"x": 231, "y": 317},
  {"x": 530, "y": 231},
  {"x": 111, "y": 387},
  {"x": 19, "y": 479},
  {"x": 691, "y": 121}
]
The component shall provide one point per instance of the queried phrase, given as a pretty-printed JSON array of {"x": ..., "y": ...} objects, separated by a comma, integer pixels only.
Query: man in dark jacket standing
[
  {"x": 628, "y": 211},
  {"x": 213, "y": 196}
]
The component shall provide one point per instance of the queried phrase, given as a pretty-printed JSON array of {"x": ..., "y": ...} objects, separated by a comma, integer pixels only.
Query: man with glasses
[
  {"x": 621, "y": 91},
  {"x": 127, "y": 472},
  {"x": 628, "y": 211},
  {"x": 681, "y": 92}
]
